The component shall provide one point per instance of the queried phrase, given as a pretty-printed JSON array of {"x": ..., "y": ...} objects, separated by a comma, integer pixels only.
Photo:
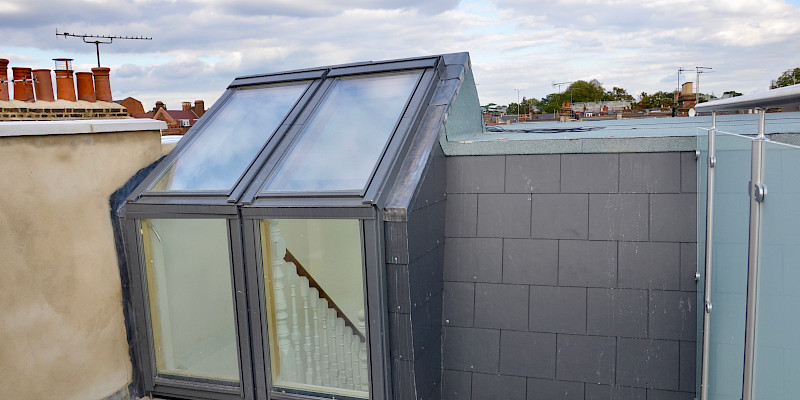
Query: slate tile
[
  {"x": 617, "y": 312},
  {"x": 688, "y": 366},
  {"x": 587, "y": 263},
  {"x": 648, "y": 363},
  {"x": 493, "y": 387},
  {"x": 589, "y": 173},
  {"x": 475, "y": 174},
  {"x": 688, "y": 267},
  {"x": 528, "y": 354},
  {"x": 403, "y": 378},
  {"x": 557, "y": 309},
  {"x": 400, "y": 335},
  {"x": 473, "y": 260},
  {"x": 504, "y": 215},
  {"x": 459, "y": 304},
  {"x": 673, "y": 217},
  {"x": 461, "y": 218},
  {"x": 425, "y": 279},
  {"x": 530, "y": 261},
  {"x": 649, "y": 265},
  {"x": 547, "y": 389},
  {"x": 471, "y": 349},
  {"x": 673, "y": 315},
  {"x": 618, "y": 217},
  {"x": 585, "y": 359},
  {"x": 689, "y": 167},
  {"x": 536, "y": 173},
  {"x": 605, "y": 392},
  {"x": 399, "y": 295},
  {"x": 560, "y": 216},
  {"x": 501, "y": 306},
  {"x": 649, "y": 173},
  {"x": 456, "y": 385}
]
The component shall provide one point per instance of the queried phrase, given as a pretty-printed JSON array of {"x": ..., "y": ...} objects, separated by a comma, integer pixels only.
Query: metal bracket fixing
[
  {"x": 708, "y": 307},
  {"x": 759, "y": 192}
]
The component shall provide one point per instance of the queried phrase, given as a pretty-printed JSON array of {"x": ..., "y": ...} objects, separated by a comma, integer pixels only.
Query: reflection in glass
[
  {"x": 191, "y": 303},
  {"x": 344, "y": 140},
  {"x": 315, "y": 306},
  {"x": 227, "y": 145},
  {"x": 777, "y": 351}
]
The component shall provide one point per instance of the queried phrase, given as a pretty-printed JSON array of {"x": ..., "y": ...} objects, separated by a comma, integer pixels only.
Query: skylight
[
  {"x": 347, "y": 134},
  {"x": 228, "y": 143}
]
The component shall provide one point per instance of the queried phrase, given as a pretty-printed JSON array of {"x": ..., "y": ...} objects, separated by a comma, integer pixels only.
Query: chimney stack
[
  {"x": 85, "y": 86},
  {"x": 65, "y": 84},
  {"x": 43, "y": 85},
  {"x": 186, "y": 106},
  {"x": 3, "y": 79},
  {"x": 102, "y": 86},
  {"x": 159, "y": 104},
  {"x": 199, "y": 108}
]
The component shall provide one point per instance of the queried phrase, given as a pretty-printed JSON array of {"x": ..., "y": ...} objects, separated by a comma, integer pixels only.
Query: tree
[
  {"x": 730, "y": 93},
  {"x": 550, "y": 103},
  {"x": 617, "y": 94},
  {"x": 656, "y": 100},
  {"x": 787, "y": 78},
  {"x": 582, "y": 91}
]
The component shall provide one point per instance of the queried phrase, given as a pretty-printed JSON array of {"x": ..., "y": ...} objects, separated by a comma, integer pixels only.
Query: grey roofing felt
[{"x": 612, "y": 136}]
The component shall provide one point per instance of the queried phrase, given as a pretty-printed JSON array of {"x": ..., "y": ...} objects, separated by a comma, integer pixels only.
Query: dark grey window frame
[
  {"x": 171, "y": 385},
  {"x": 245, "y": 204},
  {"x": 375, "y": 296}
]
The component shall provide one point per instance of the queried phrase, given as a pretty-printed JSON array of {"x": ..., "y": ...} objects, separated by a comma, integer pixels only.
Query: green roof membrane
[
  {"x": 227, "y": 144},
  {"x": 347, "y": 134}
]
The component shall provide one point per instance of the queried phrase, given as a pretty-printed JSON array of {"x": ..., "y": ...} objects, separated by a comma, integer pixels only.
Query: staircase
[{"x": 313, "y": 342}]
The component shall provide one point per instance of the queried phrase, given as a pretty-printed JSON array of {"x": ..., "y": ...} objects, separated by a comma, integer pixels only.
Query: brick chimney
[
  {"x": 43, "y": 85},
  {"x": 102, "y": 86},
  {"x": 199, "y": 108},
  {"x": 3, "y": 79},
  {"x": 85, "y": 86},
  {"x": 23, "y": 85},
  {"x": 186, "y": 106},
  {"x": 65, "y": 84},
  {"x": 159, "y": 104}
]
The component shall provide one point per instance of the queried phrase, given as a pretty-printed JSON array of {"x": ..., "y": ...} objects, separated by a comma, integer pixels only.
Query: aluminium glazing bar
[
  {"x": 710, "y": 163},
  {"x": 757, "y": 190}
]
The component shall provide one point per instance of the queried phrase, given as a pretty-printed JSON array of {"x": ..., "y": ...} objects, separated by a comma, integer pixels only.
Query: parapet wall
[{"x": 62, "y": 327}]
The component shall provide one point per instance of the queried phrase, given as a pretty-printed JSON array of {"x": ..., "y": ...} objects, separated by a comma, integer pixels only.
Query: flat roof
[{"x": 655, "y": 134}]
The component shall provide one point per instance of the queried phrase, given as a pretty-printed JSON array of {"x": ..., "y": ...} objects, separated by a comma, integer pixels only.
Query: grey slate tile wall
[
  {"x": 570, "y": 277},
  {"x": 415, "y": 258}
]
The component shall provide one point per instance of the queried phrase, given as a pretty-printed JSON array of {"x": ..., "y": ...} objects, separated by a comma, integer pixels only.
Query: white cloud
[{"x": 199, "y": 46}]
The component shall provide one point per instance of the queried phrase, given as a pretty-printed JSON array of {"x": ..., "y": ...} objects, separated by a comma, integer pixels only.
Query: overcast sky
[{"x": 198, "y": 47}]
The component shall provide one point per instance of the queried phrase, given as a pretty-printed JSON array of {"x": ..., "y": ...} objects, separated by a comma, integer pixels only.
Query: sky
[{"x": 518, "y": 48}]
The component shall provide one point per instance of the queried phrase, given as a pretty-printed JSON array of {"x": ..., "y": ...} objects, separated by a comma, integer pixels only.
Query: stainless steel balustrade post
[
  {"x": 757, "y": 191},
  {"x": 710, "y": 163}
]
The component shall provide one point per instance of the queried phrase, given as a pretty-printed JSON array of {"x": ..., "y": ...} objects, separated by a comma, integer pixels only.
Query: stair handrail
[{"x": 290, "y": 258}]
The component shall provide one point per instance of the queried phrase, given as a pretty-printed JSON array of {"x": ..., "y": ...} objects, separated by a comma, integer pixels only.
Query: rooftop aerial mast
[{"x": 97, "y": 40}]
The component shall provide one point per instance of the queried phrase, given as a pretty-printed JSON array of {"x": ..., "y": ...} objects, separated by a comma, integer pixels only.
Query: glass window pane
[
  {"x": 344, "y": 140},
  {"x": 191, "y": 301},
  {"x": 315, "y": 306},
  {"x": 231, "y": 140}
]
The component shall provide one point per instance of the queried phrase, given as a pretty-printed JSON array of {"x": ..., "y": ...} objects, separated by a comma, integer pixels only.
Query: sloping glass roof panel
[
  {"x": 227, "y": 144},
  {"x": 346, "y": 136}
]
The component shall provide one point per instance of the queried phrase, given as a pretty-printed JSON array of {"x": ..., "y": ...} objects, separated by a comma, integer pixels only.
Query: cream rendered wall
[{"x": 62, "y": 334}]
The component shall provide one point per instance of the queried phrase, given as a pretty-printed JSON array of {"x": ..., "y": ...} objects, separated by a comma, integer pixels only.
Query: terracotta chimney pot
[
  {"x": 65, "y": 85},
  {"x": 85, "y": 86},
  {"x": 43, "y": 85},
  {"x": 102, "y": 86},
  {"x": 23, "y": 87},
  {"x": 3, "y": 79}
]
